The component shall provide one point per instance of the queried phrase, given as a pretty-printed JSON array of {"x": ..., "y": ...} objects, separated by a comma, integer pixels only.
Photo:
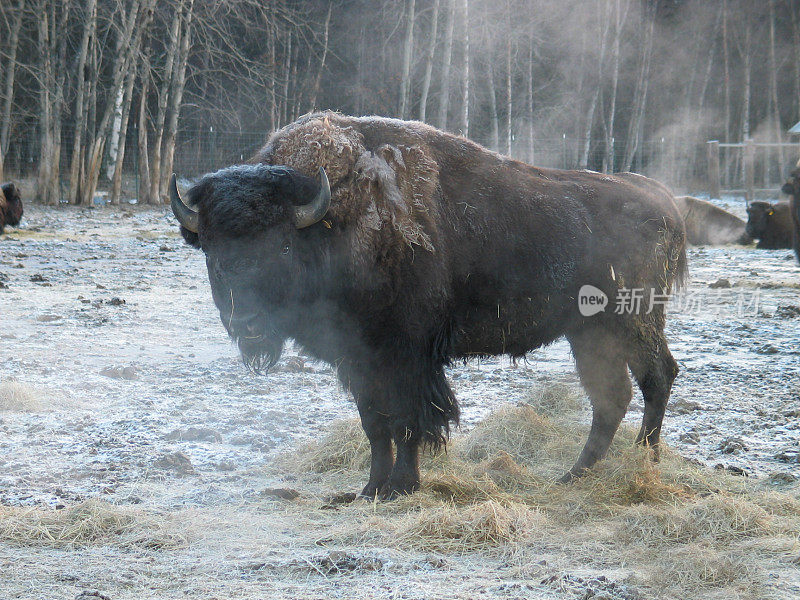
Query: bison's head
[
  {"x": 792, "y": 185},
  {"x": 11, "y": 204},
  {"x": 758, "y": 216},
  {"x": 265, "y": 257}
]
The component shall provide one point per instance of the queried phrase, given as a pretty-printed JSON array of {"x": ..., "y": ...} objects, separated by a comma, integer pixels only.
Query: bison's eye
[{"x": 286, "y": 248}]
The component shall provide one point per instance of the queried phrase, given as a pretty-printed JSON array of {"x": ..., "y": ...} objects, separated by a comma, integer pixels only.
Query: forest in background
[{"x": 94, "y": 90}]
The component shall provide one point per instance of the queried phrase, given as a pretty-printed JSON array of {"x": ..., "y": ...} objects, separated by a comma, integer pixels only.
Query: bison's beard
[{"x": 260, "y": 355}]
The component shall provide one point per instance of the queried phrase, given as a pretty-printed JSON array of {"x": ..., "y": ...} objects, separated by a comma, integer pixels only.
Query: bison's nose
[{"x": 249, "y": 324}]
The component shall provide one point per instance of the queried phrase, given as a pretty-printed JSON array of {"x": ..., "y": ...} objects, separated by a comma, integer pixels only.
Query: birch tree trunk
[
  {"x": 529, "y": 73},
  {"x": 59, "y": 79},
  {"x": 408, "y": 50},
  {"x": 640, "y": 94},
  {"x": 620, "y": 16},
  {"x": 119, "y": 159},
  {"x": 176, "y": 98},
  {"x": 286, "y": 76},
  {"x": 747, "y": 60},
  {"x": 447, "y": 57},
  {"x": 173, "y": 49},
  {"x": 312, "y": 105},
  {"x": 796, "y": 61},
  {"x": 494, "y": 118},
  {"x": 143, "y": 192},
  {"x": 116, "y": 125},
  {"x": 773, "y": 84},
  {"x": 727, "y": 75},
  {"x": 426, "y": 82},
  {"x": 81, "y": 87},
  {"x": 10, "y": 74},
  {"x": 604, "y": 28},
  {"x": 465, "y": 70},
  {"x": 509, "y": 96},
  {"x": 128, "y": 47},
  {"x": 45, "y": 102}
]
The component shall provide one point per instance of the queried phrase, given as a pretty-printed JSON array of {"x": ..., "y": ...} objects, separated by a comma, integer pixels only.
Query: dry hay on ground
[
  {"x": 16, "y": 396},
  {"x": 678, "y": 528},
  {"x": 89, "y": 523}
]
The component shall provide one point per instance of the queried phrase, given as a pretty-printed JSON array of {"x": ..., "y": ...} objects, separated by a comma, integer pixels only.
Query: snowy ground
[{"x": 107, "y": 316}]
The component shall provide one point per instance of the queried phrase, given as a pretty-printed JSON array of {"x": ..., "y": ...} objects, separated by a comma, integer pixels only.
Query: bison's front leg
[
  {"x": 404, "y": 478},
  {"x": 380, "y": 442}
]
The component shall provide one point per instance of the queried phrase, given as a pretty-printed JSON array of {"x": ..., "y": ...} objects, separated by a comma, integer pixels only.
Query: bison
[
  {"x": 10, "y": 206},
  {"x": 792, "y": 188},
  {"x": 770, "y": 224},
  {"x": 389, "y": 249},
  {"x": 709, "y": 224}
]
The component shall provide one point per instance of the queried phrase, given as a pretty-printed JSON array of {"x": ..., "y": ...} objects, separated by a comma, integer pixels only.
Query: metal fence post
[{"x": 712, "y": 152}]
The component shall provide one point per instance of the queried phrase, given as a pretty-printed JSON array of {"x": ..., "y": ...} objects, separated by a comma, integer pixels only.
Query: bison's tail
[{"x": 680, "y": 270}]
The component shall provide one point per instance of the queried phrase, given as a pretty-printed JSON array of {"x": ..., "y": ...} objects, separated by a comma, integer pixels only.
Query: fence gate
[{"x": 749, "y": 168}]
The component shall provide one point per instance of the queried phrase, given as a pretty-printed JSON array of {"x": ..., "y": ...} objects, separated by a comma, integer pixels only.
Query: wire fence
[{"x": 681, "y": 164}]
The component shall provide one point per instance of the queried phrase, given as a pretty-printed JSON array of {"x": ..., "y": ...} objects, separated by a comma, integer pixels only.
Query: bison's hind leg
[
  {"x": 602, "y": 365},
  {"x": 654, "y": 369}
]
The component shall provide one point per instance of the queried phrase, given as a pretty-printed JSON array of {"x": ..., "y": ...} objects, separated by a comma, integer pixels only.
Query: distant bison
[
  {"x": 771, "y": 224},
  {"x": 388, "y": 249},
  {"x": 792, "y": 188},
  {"x": 10, "y": 206},
  {"x": 707, "y": 224}
]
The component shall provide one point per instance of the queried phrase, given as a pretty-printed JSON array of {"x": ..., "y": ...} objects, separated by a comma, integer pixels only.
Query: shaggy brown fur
[
  {"x": 10, "y": 206},
  {"x": 434, "y": 249},
  {"x": 792, "y": 188},
  {"x": 771, "y": 224},
  {"x": 709, "y": 224}
]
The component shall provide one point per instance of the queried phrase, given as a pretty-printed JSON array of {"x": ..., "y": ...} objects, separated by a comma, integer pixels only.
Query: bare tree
[
  {"x": 176, "y": 97},
  {"x": 447, "y": 57},
  {"x": 773, "y": 83},
  {"x": 317, "y": 80},
  {"x": 620, "y": 13},
  {"x": 465, "y": 71},
  {"x": 640, "y": 92},
  {"x": 119, "y": 159},
  {"x": 509, "y": 93},
  {"x": 603, "y": 31},
  {"x": 82, "y": 84},
  {"x": 494, "y": 118},
  {"x": 127, "y": 48},
  {"x": 8, "y": 86},
  {"x": 426, "y": 82},
  {"x": 143, "y": 151},
  {"x": 408, "y": 50}
]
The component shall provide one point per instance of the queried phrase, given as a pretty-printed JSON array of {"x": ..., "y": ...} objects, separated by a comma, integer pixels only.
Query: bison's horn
[
  {"x": 311, "y": 213},
  {"x": 186, "y": 216}
]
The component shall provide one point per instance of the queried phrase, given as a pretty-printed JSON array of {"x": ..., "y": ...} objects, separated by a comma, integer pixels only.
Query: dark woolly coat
[
  {"x": 435, "y": 248},
  {"x": 771, "y": 224},
  {"x": 792, "y": 188},
  {"x": 10, "y": 206},
  {"x": 709, "y": 224}
]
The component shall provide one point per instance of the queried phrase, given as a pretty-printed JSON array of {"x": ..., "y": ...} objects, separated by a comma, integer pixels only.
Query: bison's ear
[{"x": 770, "y": 212}]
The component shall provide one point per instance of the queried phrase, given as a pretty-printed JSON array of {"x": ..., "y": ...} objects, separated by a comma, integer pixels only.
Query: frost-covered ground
[{"x": 107, "y": 317}]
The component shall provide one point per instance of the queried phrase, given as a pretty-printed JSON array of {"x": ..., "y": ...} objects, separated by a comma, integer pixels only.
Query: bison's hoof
[
  {"x": 572, "y": 475},
  {"x": 391, "y": 490},
  {"x": 371, "y": 491}
]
